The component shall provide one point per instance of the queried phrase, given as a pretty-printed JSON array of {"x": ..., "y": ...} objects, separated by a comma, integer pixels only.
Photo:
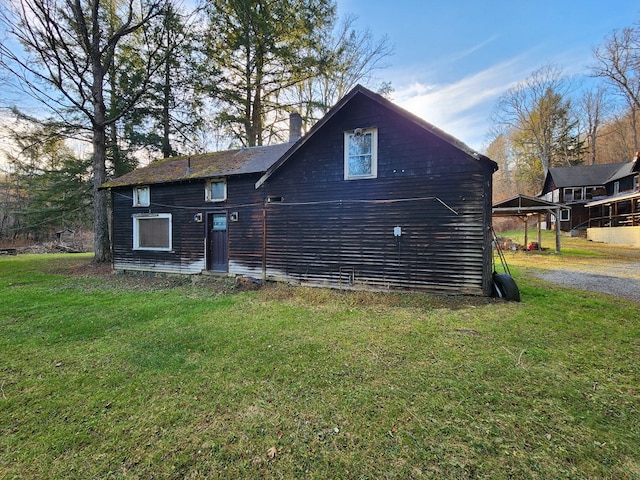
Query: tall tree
[
  {"x": 264, "y": 47},
  {"x": 169, "y": 115},
  {"x": 593, "y": 107},
  {"x": 505, "y": 184},
  {"x": 353, "y": 56},
  {"x": 68, "y": 46},
  {"x": 53, "y": 183},
  {"x": 537, "y": 113},
  {"x": 617, "y": 61}
]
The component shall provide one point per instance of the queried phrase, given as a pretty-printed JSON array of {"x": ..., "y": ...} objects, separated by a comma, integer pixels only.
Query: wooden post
[
  {"x": 539, "y": 233},
  {"x": 557, "y": 229}
]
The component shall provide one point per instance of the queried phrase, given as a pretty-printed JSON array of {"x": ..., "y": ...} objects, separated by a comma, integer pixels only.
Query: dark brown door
[{"x": 218, "y": 249}]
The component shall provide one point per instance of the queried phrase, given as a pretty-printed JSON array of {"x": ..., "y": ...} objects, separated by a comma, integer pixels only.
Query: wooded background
[{"x": 117, "y": 84}]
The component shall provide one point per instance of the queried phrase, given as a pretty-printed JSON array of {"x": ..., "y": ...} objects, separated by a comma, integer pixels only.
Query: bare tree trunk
[
  {"x": 102, "y": 244},
  {"x": 101, "y": 241}
]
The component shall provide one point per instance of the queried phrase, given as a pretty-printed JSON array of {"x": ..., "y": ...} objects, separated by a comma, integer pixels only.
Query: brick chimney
[{"x": 295, "y": 126}]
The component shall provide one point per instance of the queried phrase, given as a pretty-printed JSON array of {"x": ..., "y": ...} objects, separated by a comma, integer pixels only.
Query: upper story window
[
  {"x": 216, "y": 190},
  {"x": 361, "y": 153},
  {"x": 568, "y": 195},
  {"x": 141, "y": 197},
  {"x": 572, "y": 194}
]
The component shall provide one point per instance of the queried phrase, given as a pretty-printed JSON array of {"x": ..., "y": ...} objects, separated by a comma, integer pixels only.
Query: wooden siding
[
  {"x": 351, "y": 243},
  {"x": 245, "y": 234},
  {"x": 183, "y": 201},
  {"x": 336, "y": 232}
]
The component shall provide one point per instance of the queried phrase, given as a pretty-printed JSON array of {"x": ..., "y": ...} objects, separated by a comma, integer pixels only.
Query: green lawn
[{"x": 117, "y": 376}]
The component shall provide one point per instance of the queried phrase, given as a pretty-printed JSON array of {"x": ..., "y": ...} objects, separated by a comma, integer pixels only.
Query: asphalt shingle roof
[
  {"x": 208, "y": 165},
  {"x": 584, "y": 175}
]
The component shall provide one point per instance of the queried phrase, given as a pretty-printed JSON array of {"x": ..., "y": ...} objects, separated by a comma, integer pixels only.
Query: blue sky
[{"x": 454, "y": 58}]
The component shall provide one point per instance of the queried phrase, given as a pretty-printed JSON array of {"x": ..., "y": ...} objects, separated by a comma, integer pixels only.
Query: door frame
[{"x": 208, "y": 250}]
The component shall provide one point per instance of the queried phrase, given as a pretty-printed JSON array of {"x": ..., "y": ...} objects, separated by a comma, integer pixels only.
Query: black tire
[{"x": 504, "y": 286}]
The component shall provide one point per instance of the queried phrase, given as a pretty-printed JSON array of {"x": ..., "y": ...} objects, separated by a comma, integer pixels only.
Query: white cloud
[{"x": 462, "y": 108}]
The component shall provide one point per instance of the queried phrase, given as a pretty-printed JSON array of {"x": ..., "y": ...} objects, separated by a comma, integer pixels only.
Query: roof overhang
[
  {"x": 522, "y": 205},
  {"x": 360, "y": 90},
  {"x": 619, "y": 198}
]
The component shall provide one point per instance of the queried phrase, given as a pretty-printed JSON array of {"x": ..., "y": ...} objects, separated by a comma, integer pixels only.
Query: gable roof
[
  {"x": 360, "y": 90},
  {"x": 583, "y": 175},
  {"x": 208, "y": 165},
  {"x": 264, "y": 159},
  {"x": 624, "y": 171},
  {"x": 522, "y": 205}
]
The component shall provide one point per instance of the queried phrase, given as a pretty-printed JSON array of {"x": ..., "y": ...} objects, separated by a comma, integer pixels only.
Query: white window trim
[
  {"x": 567, "y": 194},
  {"x": 374, "y": 154},
  {"x": 136, "y": 196},
  {"x": 207, "y": 189},
  {"x": 136, "y": 235},
  {"x": 565, "y": 215}
]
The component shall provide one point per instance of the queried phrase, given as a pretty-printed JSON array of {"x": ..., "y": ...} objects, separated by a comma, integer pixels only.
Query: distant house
[
  {"x": 372, "y": 197},
  {"x": 615, "y": 218},
  {"x": 575, "y": 187}
]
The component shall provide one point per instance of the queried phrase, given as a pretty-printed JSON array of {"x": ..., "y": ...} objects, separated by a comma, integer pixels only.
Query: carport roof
[{"x": 523, "y": 205}]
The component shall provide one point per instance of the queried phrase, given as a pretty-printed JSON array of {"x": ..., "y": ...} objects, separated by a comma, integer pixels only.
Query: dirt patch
[{"x": 148, "y": 282}]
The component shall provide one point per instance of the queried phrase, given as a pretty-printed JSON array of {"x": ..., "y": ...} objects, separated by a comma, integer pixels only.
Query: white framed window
[
  {"x": 152, "y": 232},
  {"x": 565, "y": 215},
  {"x": 361, "y": 153},
  {"x": 573, "y": 194},
  {"x": 141, "y": 196},
  {"x": 216, "y": 190},
  {"x": 568, "y": 194}
]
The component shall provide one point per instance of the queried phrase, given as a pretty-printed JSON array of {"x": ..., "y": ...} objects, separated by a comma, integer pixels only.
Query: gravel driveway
[{"x": 620, "y": 280}]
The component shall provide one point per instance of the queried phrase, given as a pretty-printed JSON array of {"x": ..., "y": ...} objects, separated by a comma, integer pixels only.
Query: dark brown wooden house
[
  {"x": 575, "y": 187},
  {"x": 372, "y": 197}
]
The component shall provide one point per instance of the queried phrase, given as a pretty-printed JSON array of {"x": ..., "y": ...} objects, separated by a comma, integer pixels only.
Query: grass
[
  {"x": 575, "y": 253},
  {"x": 113, "y": 376}
]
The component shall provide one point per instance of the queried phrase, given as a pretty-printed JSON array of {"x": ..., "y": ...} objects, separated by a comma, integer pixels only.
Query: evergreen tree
[
  {"x": 538, "y": 119},
  {"x": 67, "y": 48},
  {"x": 168, "y": 116},
  {"x": 53, "y": 184},
  {"x": 263, "y": 48}
]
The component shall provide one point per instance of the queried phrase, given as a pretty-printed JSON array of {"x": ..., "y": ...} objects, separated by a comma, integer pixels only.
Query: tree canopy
[{"x": 135, "y": 78}]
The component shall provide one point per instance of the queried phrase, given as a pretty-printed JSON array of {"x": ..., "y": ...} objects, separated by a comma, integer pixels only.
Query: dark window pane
[{"x": 153, "y": 232}]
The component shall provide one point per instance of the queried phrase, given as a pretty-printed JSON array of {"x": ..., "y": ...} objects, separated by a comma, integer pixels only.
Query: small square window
[
  {"x": 216, "y": 190},
  {"x": 361, "y": 153},
  {"x": 141, "y": 197},
  {"x": 565, "y": 215}
]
